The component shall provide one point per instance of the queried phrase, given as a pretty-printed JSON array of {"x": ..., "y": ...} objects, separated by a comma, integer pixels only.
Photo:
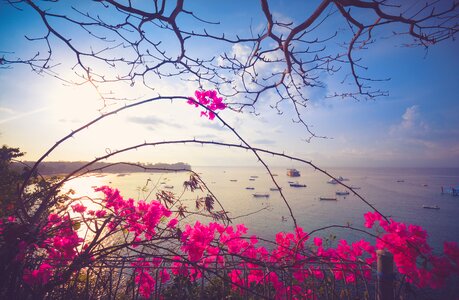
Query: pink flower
[
  {"x": 172, "y": 223},
  {"x": 209, "y": 100},
  {"x": 78, "y": 208},
  {"x": 39, "y": 276},
  {"x": 101, "y": 213},
  {"x": 54, "y": 218}
]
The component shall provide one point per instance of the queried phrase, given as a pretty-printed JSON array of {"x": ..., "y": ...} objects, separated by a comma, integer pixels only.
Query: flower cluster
[
  {"x": 201, "y": 246},
  {"x": 144, "y": 276},
  {"x": 138, "y": 217},
  {"x": 210, "y": 100},
  {"x": 412, "y": 254},
  {"x": 59, "y": 242}
]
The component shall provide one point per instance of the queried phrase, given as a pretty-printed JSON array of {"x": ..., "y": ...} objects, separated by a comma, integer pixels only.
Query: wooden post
[{"x": 385, "y": 269}]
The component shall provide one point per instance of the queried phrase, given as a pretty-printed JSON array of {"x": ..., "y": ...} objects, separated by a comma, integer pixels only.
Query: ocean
[{"x": 396, "y": 192}]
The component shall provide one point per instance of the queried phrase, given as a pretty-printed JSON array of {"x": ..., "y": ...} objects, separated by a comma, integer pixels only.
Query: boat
[
  {"x": 168, "y": 186},
  {"x": 252, "y": 179},
  {"x": 233, "y": 180},
  {"x": 328, "y": 198},
  {"x": 274, "y": 189},
  {"x": 400, "y": 180},
  {"x": 249, "y": 188},
  {"x": 257, "y": 195},
  {"x": 337, "y": 180},
  {"x": 253, "y": 176},
  {"x": 355, "y": 187},
  {"x": 293, "y": 173},
  {"x": 431, "y": 206},
  {"x": 451, "y": 191},
  {"x": 342, "y": 193},
  {"x": 296, "y": 184}
]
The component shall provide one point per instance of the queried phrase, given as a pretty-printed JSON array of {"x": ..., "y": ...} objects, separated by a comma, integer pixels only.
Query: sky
[{"x": 416, "y": 125}]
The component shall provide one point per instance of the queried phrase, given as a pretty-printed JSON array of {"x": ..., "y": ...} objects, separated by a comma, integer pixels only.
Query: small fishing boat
[
  {"x": 431, "y": 206},
  {"x": 233, "y": 180},
  {"x": 450, "y": 191},
  {"x": 252, "y": 179},
  {"x": 293, "y": 173},
  {"x": 328, "y": 198},
  {"x": 168, "y": 186},
  {"x": 296, "y": 184},
  {"x": 253, "y": 176},
  {"x": 400, "y": 180},
  {"x": 258, "y": 195},
  {"x": 342, "y": 193},
  {"x": 274, "y": 189},
  {"x": 249, "y": 188},
  {"x": 337, "y": 180}
]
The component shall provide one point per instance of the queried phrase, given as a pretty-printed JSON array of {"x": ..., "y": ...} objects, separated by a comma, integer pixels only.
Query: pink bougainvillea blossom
[
  {"x": 214, "y": 245},
  {"x": 78, "y": 208},
  {"x": 210, "y": 100}
]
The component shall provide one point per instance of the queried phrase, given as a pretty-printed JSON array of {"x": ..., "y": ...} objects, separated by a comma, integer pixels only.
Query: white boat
[
  {"x": 342, "y": 193},
  {"x": 296, "y": 184},
  {"x": 293, "y": 173},
  {"x": 257, "y": 195},
  {"x": 450, "y": 191},
  {"x": 337, "y": 180},
  {"x": 328, "y": 198},
  {"x": 431, "y": 206},
  {"x": 168, "y": 186}
]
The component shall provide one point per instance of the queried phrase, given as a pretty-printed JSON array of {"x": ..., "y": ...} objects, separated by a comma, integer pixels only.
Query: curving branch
[{"x": 280, "y": 63}]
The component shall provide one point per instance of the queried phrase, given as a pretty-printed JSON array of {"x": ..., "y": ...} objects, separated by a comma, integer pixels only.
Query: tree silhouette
[{"x": 124, "y": 41}]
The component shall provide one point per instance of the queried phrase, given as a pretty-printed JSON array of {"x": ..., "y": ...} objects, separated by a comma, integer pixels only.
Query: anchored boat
[
  {"x": 293, "y": 173},
  {"x": 342, "y": 193},
  {"x": 258, "y": 195},
  {"x": 296, "y": 184},
  {"x": 328, "y": 198},
  {"x": 431, "y": 206}
]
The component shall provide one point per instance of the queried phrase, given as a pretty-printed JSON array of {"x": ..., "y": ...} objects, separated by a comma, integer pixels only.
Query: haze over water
[{"x": 398, "y": 193}]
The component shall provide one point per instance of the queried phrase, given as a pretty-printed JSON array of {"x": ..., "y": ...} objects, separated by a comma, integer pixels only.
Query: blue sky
[{"x": 417, "y": 125}]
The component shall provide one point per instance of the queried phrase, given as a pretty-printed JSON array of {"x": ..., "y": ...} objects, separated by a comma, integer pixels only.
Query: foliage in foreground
[{"x": 159, "y": 251}]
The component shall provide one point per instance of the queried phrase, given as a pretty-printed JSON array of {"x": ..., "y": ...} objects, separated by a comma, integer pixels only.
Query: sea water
[{"x": 397, "y": 193}]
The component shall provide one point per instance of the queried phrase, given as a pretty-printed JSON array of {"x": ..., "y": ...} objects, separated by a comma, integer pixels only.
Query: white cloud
[
  {"x": 411, "y": 124},
  {"x": 24, "y": 114},
  {"x": 410, "y": 116},
  {"x": 6, "y": 110}
]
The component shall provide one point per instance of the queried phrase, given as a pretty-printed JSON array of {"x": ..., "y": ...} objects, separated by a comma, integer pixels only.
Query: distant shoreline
[{"x": 65, "y": 167}]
